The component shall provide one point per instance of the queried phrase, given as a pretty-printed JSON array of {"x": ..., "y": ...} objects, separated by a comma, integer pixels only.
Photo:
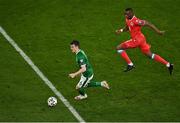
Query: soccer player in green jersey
[{"x": 86, "y": 71}]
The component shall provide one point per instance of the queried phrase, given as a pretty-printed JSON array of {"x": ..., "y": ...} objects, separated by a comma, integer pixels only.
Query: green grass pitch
[{"x": 44, "y": 29}]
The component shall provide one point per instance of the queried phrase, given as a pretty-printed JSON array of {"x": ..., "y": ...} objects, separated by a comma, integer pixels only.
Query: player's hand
[
  {"x": 72, "y": 75},
  {"x": 118, "y": 31},
  {"x": 161, "y": 32}
]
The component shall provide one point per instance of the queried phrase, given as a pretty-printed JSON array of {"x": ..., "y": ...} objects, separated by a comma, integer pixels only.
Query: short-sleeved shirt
[
  {"x": 135, "y": 25},
  {"x": 82, "y": 59},
  {"x": 138, "y": 39}
]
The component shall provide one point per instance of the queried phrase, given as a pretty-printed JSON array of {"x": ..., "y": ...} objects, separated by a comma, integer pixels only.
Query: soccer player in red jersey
[{"x": 133, "y": 25}]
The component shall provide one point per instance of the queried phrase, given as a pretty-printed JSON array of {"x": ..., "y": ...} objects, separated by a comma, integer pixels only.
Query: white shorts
[{"x": 83, "y": 82}]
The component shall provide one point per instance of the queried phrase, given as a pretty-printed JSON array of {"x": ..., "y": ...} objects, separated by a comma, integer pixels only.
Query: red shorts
[{"x": 138, "y": 41}]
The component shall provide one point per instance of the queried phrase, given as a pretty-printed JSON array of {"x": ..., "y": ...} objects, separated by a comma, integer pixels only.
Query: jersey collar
[
  {"x": 132, "y": 17},
  {"x": 78, "y": 51}
]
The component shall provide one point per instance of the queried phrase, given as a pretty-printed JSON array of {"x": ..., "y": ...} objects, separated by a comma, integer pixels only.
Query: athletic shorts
[
  {"x": 83, "y": 82},
  {"x": 138, "y": 41}
]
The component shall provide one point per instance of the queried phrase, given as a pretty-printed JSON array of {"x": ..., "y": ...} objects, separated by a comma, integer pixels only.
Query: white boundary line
[{"x": 41, "y": 75}]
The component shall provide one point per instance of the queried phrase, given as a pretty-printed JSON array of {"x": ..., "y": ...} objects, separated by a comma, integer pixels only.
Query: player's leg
[
  {"x": 121, "y": 50},
  {"x": 98, "y": 84},
  {"x": 146, "y": 50},
  {"x": 92, "y": 83},
  {"x": 80, "y": 88}
]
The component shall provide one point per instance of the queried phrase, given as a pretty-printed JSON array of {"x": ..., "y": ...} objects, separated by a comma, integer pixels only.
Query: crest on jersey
[
  {"x": 81, "y": 60},
  {"x": 141, "y": 22}
]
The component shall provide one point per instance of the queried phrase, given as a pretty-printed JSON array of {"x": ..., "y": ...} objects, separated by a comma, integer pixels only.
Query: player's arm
[
  {"x": 81, "y": 62},
  {"x": 125, "y": 29},
  {"x": 152, "y": 26},
  {"x": 80, "y": 71}
]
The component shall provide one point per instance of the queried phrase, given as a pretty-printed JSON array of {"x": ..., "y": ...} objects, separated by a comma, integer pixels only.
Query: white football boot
[
  {"x": 80, "y": 97},
  {"x": 105, "y": 85}
]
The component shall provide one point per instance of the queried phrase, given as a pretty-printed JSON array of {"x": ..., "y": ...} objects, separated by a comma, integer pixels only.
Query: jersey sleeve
[
  {"x": 81, "y": 61},
  {"x": 139, "y": 22}
]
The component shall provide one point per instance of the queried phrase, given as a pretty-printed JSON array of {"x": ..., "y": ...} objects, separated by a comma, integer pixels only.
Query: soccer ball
[{"x": 52, "y": 101}]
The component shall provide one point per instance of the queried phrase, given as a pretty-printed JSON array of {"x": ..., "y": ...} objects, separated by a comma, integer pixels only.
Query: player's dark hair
[
  {"x": 129, "y": 9},
  {"x": 75, "y": 42}
]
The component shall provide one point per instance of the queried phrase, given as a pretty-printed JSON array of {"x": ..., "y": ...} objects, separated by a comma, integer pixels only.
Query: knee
[
  {"x": 150, "y": 55},
  {"x": 119, "y": 47}
]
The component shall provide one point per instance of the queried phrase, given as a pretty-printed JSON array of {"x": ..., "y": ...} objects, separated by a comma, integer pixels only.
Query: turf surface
[{"x": 44, "y": 29}]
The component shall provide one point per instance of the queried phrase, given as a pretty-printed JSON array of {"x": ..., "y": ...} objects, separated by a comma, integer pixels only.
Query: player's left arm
[{"x": 152, "y": 26}]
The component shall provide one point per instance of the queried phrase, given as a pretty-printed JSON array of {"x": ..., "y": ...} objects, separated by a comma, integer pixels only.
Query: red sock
[
  {"x": 125, "y": 57},
  {"x": 160, "y": 59}
]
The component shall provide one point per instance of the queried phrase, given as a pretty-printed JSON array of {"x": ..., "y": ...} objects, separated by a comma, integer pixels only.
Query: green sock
[
  {"x": 94, "y": 84},
  {"x": 82, "y": 91}
]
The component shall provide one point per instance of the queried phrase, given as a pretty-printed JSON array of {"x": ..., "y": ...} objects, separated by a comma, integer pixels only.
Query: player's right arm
[
  {"x": 81, "y": 62},
  {"x": 125, "y": 29},
  {"x": 80, "y": 71}
]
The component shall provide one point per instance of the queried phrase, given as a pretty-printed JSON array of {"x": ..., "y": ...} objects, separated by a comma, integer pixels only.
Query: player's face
[
  {"x": 129, "y": 14},
  {"x": 74, "y": 48}
]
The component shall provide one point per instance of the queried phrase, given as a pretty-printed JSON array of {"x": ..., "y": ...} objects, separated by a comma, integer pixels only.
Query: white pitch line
[{"x": 42, "y": 76}]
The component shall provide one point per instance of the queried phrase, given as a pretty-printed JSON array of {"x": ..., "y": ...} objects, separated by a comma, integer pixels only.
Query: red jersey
[{"x": 135, "y": 25}]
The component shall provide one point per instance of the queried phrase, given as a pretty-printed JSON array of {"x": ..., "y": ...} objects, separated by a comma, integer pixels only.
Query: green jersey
[{"x": 82, "y": 59}]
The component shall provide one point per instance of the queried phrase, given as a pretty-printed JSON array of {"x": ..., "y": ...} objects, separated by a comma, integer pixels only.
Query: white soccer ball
[{"x": 52, "y": 101}]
